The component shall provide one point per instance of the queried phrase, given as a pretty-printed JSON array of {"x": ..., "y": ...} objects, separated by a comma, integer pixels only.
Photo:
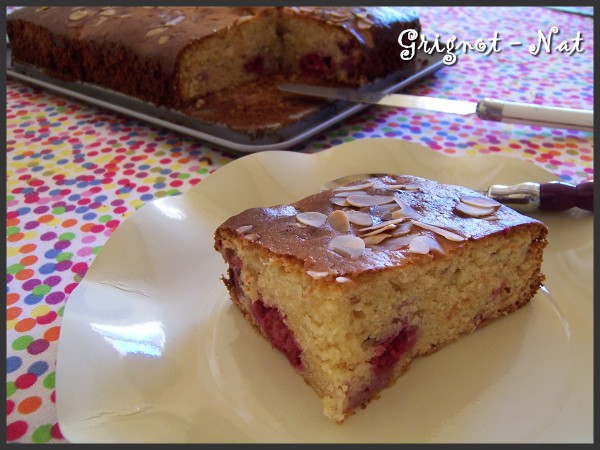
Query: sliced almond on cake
[
  {"x": 314, "y": 219},
  {"x": 451, "y": 236},
  {"x": 339, "y": 221},
  {"x": 347, "y": 245}
]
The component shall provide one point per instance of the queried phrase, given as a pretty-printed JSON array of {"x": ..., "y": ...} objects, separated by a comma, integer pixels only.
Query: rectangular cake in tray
[
  {"x": 353, "y": 283},
  {"x": 211, "y": 63}
]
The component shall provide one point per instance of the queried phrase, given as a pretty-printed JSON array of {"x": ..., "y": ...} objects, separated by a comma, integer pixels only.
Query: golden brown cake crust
[{"x": 279, "y": 233}]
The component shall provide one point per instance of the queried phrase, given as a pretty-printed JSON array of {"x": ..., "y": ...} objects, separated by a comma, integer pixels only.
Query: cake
[
  {"x": 176, "y": 56},
  {"x": 352, "y": 283}
]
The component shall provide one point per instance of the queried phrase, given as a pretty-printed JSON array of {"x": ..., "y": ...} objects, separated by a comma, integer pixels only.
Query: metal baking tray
[{"x": 219, "y": 135}]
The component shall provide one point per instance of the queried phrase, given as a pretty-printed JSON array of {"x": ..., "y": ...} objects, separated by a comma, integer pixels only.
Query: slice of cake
[{"x": 353, "y": 283}]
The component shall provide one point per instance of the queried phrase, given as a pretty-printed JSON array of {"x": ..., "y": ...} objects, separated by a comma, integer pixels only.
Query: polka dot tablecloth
[{"x": 75, "y": 172}]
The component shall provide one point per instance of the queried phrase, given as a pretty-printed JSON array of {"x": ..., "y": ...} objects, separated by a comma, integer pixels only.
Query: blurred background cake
[{"x": 177, "y": 56}]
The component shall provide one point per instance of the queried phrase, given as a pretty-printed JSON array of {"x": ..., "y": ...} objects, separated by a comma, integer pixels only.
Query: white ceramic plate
[{"x": 152, "y": 350}]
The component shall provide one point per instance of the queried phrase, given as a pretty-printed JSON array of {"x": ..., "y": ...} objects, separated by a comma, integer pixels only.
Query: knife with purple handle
[
  {"x": 550, "y": 196},
  {"x": 524, "y": 197}
]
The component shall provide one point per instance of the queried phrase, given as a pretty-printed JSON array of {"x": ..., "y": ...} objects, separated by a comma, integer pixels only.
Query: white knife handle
[{"x": 530, "y": 114}]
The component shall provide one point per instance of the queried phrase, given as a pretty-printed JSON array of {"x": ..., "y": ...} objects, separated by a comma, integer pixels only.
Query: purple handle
[{"x": 558, "y": 196}]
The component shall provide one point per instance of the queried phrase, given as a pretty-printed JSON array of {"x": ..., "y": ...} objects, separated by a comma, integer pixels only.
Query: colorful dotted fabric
[{"x": 75, "y": 172}]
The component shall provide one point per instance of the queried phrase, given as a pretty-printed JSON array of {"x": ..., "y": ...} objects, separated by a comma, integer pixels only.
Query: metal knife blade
[
  {"x": 379, "y": 98},
  {"x": 486, "y": 109}
]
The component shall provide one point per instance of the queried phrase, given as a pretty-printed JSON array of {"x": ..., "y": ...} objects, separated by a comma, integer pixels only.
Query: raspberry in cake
[{"x": 351, "y": 284}]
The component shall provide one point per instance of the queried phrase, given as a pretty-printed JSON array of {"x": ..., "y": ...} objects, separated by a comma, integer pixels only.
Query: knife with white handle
[{"x": 486, "y": 109}]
